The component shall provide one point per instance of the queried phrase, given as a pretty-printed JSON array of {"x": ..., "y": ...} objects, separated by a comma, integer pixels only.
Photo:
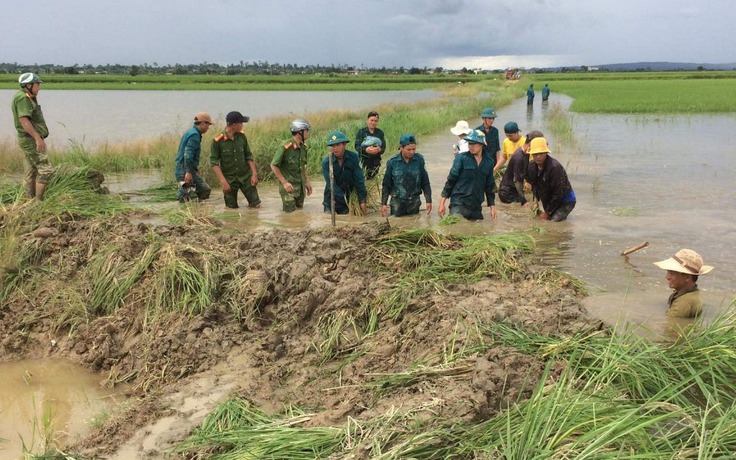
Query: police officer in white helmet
[{"x": 32, "y": 132}]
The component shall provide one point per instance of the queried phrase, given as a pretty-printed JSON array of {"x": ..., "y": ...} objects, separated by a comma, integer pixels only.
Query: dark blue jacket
[
  {"x": 187, "y": 157},
  {"x": 348, "y": 178},
  {"x": 406, "y": 181},
  {"x": 469, "y": 182}
]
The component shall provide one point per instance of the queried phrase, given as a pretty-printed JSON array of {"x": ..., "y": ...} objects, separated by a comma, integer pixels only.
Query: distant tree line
[{"x": 206, "y": 68}]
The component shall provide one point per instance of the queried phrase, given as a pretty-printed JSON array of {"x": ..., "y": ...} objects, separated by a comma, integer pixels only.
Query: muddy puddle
[
  {"x": 50, "y": 396},
  {"x": 657, "y": 179}
]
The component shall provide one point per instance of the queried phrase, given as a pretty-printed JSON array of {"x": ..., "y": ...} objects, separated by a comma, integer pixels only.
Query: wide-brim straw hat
[
  {"x": 685, "y": 261},
  {"x": 461, "y": 127}
]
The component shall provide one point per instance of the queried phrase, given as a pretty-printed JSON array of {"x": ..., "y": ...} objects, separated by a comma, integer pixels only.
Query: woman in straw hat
[
  {"x": 683, "y": 270},
  {"x": 461, "y": 129}
]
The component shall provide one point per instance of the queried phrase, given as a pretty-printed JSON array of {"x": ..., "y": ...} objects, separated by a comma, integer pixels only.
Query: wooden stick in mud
[
  {"x": 635, "y": 248},
  {"x": 332, "y": 188}
]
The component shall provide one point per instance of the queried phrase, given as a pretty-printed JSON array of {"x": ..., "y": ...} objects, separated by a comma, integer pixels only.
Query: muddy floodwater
[
  {"x": 94, "y": 116},
  {"x": 63, "y": 394},
  {"x": 665, "y": 180}
]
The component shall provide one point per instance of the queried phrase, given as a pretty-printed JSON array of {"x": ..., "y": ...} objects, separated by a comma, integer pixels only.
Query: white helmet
[
  {"x": 299, "y": 124},
  {"x": 28, "y": 78}
]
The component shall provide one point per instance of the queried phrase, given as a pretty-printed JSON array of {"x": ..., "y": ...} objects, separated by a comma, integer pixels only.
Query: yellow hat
[{"x": 538, "y": 145}]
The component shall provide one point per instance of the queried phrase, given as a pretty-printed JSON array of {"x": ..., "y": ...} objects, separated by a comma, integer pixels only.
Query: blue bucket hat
[
  {"x": 407, "y": 139},
  {"x": 488, "y": 112},
  {"x": 511, "y": 127},
  {"x": 476, "y": 136},
  {"x": 337, "y": 137}
]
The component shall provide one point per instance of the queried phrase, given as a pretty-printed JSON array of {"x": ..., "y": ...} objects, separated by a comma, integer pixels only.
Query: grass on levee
[{"x": 617, "y": 395}]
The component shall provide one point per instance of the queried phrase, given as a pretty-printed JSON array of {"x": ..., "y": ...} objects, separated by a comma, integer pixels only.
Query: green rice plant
[
  {"x": 664, "y": 92},
  {"x": 66, "y": 303},
  {"x": 384, "y": 382},
  {"x": 44, "y": 435},
  {"x": 560, "y": 125},
  {"x": 450, "y": 219},
  {"x": 184, "y": 280},
  {"x": 341, "y": 332},
  {"x": 625, "y": 212},
  {"x": 112, "y": 276},
  {"x": 422, "y": 259},
  {"x": 20, "y": 261},
  {"x": 555, "y": 277},
  {"x": 238, "y": 430},
  {"x": 69, "y": 193},
  {"x": 247, "y": 291},
  {"x": 191, "y": 214}
]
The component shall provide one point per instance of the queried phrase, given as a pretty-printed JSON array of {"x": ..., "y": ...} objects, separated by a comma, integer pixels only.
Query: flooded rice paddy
[{"x": 666, "y": 180}]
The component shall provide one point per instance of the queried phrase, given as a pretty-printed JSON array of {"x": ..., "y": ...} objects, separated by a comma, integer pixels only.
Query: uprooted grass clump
[{"x": 618, "y": 395}]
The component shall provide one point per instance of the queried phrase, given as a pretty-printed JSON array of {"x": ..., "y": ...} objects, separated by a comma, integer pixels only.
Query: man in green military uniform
[
  {"x": 405, "y": 180},
  {"x": 289, "y": 165},
  {"x": 32, "y": 131},
  {"x": 233, "y": 162}
]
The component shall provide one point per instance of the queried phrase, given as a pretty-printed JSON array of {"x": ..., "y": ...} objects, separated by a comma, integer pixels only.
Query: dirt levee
[{"x": 340, "y": 321}]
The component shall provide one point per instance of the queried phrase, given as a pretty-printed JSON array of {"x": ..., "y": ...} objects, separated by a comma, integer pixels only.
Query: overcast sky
[{"x": 487, "y": 34}]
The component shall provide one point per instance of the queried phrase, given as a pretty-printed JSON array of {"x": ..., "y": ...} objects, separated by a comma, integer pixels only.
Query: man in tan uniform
[{"x": 683, "y": 270}]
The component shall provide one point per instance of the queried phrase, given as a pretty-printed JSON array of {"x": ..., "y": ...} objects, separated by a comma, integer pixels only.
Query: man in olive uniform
[
  {"x": 233, "y": 162},
  {"x": 32, "y": 131},
  {"x": 289, "y": 165},
  {"x": 405, "y": 180}
]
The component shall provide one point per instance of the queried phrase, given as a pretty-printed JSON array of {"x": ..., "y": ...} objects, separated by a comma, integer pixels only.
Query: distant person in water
[
  {"x": 530, "y": 95},
  {"x": 683, "y": 270},
  {"x": 545, "y": 92}
]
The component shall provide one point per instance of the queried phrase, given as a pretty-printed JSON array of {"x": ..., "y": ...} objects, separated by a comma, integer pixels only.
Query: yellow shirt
[{"x": 508, "y": 148}]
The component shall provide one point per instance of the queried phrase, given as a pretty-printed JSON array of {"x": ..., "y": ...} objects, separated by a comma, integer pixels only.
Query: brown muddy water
[
  {"x": 664, "y": 180},
  {"x": 62, "y": 394},
  {"x": 118, "y": 116}
]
